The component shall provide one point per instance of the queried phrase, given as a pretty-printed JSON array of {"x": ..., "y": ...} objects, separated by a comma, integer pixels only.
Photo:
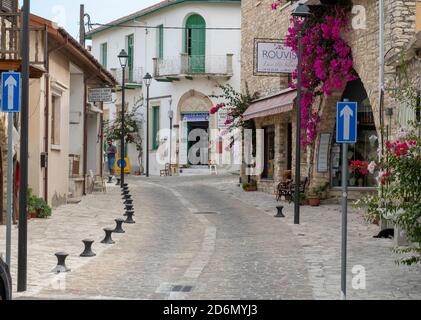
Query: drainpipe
[
  {"x": 46, "y": 113},
  {"x": 381, "y": 68},
  {"x": 85, "y": 135},
  {"x": 101, "y": 164}
]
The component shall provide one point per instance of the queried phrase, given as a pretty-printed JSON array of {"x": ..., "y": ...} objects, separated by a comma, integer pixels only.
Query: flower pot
[
  {"x": 251, "y": 189},
  {"x": 32, "y": 215},
  {"x": 314, "y": 202}
]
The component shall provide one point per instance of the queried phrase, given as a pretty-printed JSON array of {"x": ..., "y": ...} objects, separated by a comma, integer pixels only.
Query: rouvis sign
[{"x": 274, "y": 57}]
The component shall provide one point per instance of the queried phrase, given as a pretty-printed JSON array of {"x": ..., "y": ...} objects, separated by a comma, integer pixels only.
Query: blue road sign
[
  {"x": 346, "y": 122},
  {"x": 119, "y": 162},
  {"x": 11, "y": 91}
]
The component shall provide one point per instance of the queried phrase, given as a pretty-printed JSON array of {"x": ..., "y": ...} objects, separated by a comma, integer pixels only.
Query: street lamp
[
  {"x": 123, "y": 57},
  {"x": 171, "y": 117},
  {"x": 148, "y": 80},
  {"x": 302, "y": 11}
]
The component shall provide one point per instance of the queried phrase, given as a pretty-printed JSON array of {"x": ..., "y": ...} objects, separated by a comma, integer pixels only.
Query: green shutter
[
  {"x": 160, "y": 42},
  {"x": 130, "y": 52},
  {"x": 104, "y": 53},
  {"x": 155, "y": 128},
  {"x": 196, "y": 42}
]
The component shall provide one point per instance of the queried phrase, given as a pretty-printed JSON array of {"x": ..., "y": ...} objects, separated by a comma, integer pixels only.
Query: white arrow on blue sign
[
  {"x": 11, "y": 91},
  {"x": 346, "y": 122}
]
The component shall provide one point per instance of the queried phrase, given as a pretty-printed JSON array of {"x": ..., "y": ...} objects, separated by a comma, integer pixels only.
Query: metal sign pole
[
  {"x": 344, "y": 218},
  {"x": 9, "y": 188},
  {"x": 23, "y": 196}
]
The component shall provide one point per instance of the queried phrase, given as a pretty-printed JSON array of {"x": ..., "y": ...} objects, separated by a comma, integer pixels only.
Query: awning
[{"x": 268, "y": 106}]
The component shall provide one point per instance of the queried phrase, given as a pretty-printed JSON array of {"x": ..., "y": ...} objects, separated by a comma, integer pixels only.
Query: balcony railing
[
  {"x": 190, "y": 66},
  {"x": 133, "y": 76}
]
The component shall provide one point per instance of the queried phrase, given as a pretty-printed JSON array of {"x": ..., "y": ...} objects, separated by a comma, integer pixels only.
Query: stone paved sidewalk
[
  {"x": 320, "y": 236},
  {"x": 64, "y": 231}
]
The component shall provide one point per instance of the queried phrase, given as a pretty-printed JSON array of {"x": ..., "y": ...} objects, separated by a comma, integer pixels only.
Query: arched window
[{"x": 195, "y": 43}]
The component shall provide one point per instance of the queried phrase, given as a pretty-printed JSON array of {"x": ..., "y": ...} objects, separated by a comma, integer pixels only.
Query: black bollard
[
  {"x": 61, "y": 263},
  {"x": 280, "y": 213},
  {"x": 108, "y": 239},
  {"x": 125, "y": 192},
  {"x": 118, "y": 182},
  {"x": 127, "y": 197},
  {"x": 119, "y": 228},
  {"x": 129, "y": 219},
  {"x": 129, "y": 201},
  {"x": 129, "y": 207},
  {"x": 87, "y": 253}
]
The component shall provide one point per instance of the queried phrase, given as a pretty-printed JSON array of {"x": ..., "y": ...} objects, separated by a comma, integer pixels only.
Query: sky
[{"x": 66, "y": 12}]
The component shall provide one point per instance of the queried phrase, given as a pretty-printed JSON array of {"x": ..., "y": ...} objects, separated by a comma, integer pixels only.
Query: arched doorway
[
  {"x": 194, "y": 123},
  {"x": 368, "y": 142},
  {"x": 195, "y": 43}
]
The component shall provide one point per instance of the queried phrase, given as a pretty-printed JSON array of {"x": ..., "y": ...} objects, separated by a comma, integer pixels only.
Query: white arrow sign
[
  {"x": 347, "y": 114},
  {"x": 10, "y": 84}
]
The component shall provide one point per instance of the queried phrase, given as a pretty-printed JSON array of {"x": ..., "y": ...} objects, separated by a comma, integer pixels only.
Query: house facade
[
  {"x": 321, "y": 162},
  {"x": 190, "y": 48},
  {"x": 65, "y": 131}
]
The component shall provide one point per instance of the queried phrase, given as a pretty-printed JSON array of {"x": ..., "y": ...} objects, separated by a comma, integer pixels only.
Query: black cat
[{"x": 386, "y": 234}]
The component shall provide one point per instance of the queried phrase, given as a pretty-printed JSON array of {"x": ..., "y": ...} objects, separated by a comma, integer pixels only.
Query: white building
[{"x": 189, "y": 47}]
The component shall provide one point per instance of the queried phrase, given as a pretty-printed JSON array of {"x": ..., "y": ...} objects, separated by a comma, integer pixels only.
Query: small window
[
  {"x": 56, "y": 120},
  {"x": 155, "y": 128},
  {"x": 160, "y": 41},
  {"x": 104, "y": 54}
]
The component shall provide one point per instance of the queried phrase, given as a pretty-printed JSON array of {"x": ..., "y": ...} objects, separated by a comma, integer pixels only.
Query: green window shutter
[
  {"x": 130, "y": 52},
  {"x": 104, "y": 53},
  {"x": 155, "y": 128},
  {"x": 196, "y": 42},
  {"x": 160, "y": 41}
]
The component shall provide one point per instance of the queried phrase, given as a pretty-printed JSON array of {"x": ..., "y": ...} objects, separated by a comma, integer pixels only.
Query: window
[
  {"x": 55, "y": 120},
  {"x": 130, "y": 52},
  {"x": 195, "y": 43},
  {"x": 155, "y": 127},
  {"x": 103, "y": 55},
  {"x": 160, "y": 42}
]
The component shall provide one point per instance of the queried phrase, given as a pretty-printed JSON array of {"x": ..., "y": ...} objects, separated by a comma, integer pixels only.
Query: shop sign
[{"x": 272, "y": 57}]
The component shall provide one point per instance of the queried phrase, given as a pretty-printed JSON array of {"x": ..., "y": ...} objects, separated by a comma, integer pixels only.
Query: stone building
[{"x": 322, "y": 161}]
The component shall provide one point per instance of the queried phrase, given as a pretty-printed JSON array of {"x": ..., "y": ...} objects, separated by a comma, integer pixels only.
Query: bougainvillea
[{"x": 326, "y": 61}]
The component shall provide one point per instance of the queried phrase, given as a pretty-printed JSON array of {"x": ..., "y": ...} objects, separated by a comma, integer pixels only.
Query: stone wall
[{"x": 260, "y": 21}]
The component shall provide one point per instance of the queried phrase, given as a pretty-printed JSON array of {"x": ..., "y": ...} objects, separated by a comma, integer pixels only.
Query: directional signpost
[
  {"x": 10, "y": 103},
  {"x": 11, "y": 86},
  {"x": 346, "y": 133}
]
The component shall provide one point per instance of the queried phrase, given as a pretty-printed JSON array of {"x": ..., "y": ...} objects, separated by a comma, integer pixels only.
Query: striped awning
[{"x": 275, "y": 104}]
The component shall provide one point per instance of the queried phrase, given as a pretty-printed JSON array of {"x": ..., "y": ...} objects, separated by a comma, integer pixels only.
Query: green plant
[
  {"x": 37, "y": 204},
  {"x": 250, "y": 186}
]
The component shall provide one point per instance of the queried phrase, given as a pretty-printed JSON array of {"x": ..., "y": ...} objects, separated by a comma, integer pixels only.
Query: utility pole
[
  {"x": 82, "y": 25},
  {"x": 23, "y": 196}
]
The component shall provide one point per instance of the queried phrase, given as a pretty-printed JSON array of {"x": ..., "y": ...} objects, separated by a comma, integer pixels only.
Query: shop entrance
[
  {"x": 198, "y": 143},
  {"x": 268, "y": 172},
  {"x": 366, "y": 147}
]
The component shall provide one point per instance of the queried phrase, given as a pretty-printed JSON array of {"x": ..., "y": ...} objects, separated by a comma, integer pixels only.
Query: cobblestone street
[{"x": 214, "y": 240}]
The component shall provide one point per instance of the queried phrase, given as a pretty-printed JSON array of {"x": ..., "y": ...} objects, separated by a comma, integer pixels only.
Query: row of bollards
[{"x": 88, "y": 243}]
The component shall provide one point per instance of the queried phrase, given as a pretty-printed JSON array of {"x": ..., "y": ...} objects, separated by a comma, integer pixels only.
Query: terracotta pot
[{"x": 314, "y": 202}]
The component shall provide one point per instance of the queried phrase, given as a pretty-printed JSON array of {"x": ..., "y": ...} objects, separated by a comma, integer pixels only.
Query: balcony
[
  {"x": 189, "y": 67},
  {"x": 134, "y": 77},
  {"x": 10, "y": 40}
]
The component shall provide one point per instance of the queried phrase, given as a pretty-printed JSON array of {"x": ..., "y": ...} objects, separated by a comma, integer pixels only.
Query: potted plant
[
  {"x": 32, "y": 205},
  {"x": 303, "y": 199},
  {"x": 37, "y": 207},
  {"x": 250, "y": 187},
  {"x": 314, "y": 197}
]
